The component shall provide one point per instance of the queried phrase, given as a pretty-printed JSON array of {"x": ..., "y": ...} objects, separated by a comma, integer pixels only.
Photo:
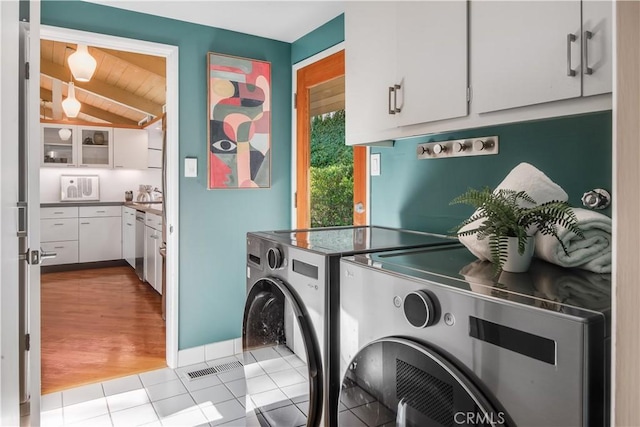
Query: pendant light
[
  {"x": 82, "y": 64},
  {"x": 64, "y": 134},
  {"x": 71, "y": 105}
]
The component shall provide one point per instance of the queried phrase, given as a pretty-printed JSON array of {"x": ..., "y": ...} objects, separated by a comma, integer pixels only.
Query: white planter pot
[{"x": 517, "y": 263}]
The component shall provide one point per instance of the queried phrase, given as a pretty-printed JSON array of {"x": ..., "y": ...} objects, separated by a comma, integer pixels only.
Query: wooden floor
[{"x": 98, "y": 324}]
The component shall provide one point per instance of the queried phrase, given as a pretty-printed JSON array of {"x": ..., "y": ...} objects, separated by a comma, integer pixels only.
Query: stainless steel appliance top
[
  {"x": 545, "y": 286},
  {"x": 357, "y": 239}
]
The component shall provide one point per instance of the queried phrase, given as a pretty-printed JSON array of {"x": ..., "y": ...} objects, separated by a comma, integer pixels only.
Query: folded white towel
[
  {"x": 523, "y": 177},
  {"x": 592, "y": 253}
]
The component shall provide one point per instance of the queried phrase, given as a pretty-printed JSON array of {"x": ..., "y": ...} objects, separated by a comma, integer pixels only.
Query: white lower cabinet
[
  {"x": 66, "y": 252},
  {"x": 59, "y": 234},
  {"x": 100, "y": 239},
  {"x": 129, "y": 235},
  {"x": 152, "y": 259}
]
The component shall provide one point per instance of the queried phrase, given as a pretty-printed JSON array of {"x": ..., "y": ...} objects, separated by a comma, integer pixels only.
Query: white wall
[{"x": 113, "y": 183}]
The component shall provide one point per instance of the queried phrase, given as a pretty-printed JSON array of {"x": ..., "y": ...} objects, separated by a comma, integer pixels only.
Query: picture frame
[{"x": 239, "y": 122}]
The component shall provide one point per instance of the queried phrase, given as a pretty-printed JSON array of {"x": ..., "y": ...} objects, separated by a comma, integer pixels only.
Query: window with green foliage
[{"x": 331, "y": 172}]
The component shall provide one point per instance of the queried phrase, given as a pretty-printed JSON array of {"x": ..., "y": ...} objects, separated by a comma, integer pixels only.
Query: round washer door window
[
  {"x": 397, "y": 382},
  {"x": 281, "y": 358}
]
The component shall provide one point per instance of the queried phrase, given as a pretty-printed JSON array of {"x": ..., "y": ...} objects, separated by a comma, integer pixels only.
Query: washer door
[
  {"x": 397, "y": 382},
  {"x": 281, "y": 358}
]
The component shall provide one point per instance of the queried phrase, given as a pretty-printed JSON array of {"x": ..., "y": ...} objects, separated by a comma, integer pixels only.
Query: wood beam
[
  {"x": 102, "y": 89},
  {"x": 90, "y": 110},
  {"x": 153, "y": 64}
]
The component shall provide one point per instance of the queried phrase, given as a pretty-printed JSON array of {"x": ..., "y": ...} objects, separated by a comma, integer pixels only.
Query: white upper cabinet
[
  {"x": 406, "y": 63},
  {"x": 432, "y": 61},
  {"x": 95, "y": 147},
  {"x": 597, "y": 75},
  {"x": 370, "y": 68},
  {"x": 130, "y": 148},
  {"x": 527, "y": 53}
]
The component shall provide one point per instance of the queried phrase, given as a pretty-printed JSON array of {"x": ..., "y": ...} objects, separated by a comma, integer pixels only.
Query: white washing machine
[
  {"x": 291, "y": 323},
  {"x": 431, "y": 337}
]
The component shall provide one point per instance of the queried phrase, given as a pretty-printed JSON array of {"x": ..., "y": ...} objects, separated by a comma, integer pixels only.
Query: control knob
[
  {"x": 274, "y": 258},
  {"x": 419, "y": 309}
]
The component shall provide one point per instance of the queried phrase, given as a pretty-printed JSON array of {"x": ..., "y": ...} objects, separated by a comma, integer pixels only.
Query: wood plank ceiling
[{"x": 125, "y": 88}]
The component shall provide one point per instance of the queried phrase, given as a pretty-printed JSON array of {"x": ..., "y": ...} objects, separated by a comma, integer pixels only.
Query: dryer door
[
  {"x": 397, "y": 382},
  {"x": 281, "y": 358}
]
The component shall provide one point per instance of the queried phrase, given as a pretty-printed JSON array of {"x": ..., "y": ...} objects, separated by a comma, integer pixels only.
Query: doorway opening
[
  {"x": 330, "y": 176},
  {"x": 107, "y": 322}
]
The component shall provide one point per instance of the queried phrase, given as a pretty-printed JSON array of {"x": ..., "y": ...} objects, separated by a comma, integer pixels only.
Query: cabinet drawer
[
  {"x": 66, "y": 252},
  {"x": 154, "y": 221},
  {"x": 128, "y": 212},
  {"x": 98, "y": 211},
  {"x": 55, "y": 230},
  {"x": 61, "y": 212}
]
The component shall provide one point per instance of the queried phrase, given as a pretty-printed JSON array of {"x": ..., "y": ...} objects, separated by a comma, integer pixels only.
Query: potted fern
[{"x": 509, "y": 219}]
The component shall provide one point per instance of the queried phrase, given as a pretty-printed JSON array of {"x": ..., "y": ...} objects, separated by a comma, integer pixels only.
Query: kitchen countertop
[
  {"x": 144, "y": 208},
  {"x": 93, "y": 203}
]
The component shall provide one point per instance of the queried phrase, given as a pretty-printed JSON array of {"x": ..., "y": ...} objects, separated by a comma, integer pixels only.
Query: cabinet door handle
[
  {"x": 58, "y": 224},
  {"x": 118, "y": 166},
  {"x": 154, "y": 236},
  {"x": 101, "y": 211},
  {"x": 570, "y": 39},
  {"x": 58, "y": 247},
  {"x": 395, "y": 98},
  {"x": 391, "y": 91},
  {"x": 129, "y": 224},
  {"x": 71, "y": 166},
  {"x": 587, "y": 36},
  {"x": 58, "y": 213},
  {"x": 85, "y": 223}
]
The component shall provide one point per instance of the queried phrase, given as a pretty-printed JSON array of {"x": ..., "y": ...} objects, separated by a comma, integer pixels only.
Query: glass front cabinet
[{"x": 76, "y": 146}]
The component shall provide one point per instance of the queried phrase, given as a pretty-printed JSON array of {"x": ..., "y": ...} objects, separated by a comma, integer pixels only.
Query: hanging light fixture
[
  {"x": 64, "y": 134},
  {"x": 82, "y": 64},
  {"x": 71, "y": 105}
]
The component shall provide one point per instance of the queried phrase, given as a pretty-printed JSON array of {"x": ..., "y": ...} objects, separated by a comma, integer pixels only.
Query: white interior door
[{"x": 30, "y": 195}]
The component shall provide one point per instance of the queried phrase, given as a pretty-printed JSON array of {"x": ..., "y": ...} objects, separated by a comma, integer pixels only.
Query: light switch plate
[
  {"x": 190, "y": 167},
  {"x": 374, "y": 165}
]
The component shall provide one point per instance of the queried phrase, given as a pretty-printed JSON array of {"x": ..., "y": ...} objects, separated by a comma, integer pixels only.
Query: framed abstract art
[{"x": 239, "y": 116}]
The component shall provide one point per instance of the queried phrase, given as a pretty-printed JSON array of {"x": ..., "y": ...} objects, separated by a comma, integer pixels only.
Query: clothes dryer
[
  {"x": 432, "y": 337},
  {"x": 291, "y": 323}
]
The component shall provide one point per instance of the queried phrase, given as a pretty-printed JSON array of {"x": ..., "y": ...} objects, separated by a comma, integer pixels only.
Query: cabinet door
[
  {"x": 432, "y": 61},
  {"x": 158, "y": 269},
  {"x": 95, "y": 146},
  {"x": 100, "y": 239},
  {"x": 66, "y": 252},
  {"x": 150, "y": 249},
  {"x": 130, "y": 148},
  {"x": 370, "y": 68},
  {"x": 520, "y": 53},
  {"x": 129, "y": 239},
  {"x": 597, "y": 19},
  {"x": 58, "y": 145}
]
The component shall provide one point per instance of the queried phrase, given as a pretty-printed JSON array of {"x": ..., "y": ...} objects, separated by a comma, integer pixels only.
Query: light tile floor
[{"x": 164, "y": 397}]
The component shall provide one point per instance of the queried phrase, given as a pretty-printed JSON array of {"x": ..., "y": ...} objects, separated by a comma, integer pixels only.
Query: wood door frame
[{"x": 316, "y": 70}]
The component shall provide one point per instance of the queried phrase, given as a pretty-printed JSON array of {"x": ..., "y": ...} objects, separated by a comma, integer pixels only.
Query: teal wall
[
  {"x": 575, "y": 152},
  {"x": 323, "y": 37},
  {"x": 213, "y": 223}
]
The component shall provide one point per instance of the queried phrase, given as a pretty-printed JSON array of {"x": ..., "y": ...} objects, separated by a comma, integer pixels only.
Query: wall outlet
[
  {"x": 374, "y": 164},
  {"x": 190, "y": 167}
]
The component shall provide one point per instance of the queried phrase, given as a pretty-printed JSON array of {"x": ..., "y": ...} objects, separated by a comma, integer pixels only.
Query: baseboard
[
  {"x": 202, "y": 353},
  {"x": 82, "y": 266}
]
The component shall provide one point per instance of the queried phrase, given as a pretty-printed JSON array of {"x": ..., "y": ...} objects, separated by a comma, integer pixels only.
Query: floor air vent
[{"x": 223, "y": 367}]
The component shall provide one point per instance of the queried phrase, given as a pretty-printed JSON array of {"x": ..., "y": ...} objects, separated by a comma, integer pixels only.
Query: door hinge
[
  {"x": 468, "y": 94},
  {"x": 26, "y": 70},
  {"x": 295, "y": 101},
  {"x": 27, "y": 342}
]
